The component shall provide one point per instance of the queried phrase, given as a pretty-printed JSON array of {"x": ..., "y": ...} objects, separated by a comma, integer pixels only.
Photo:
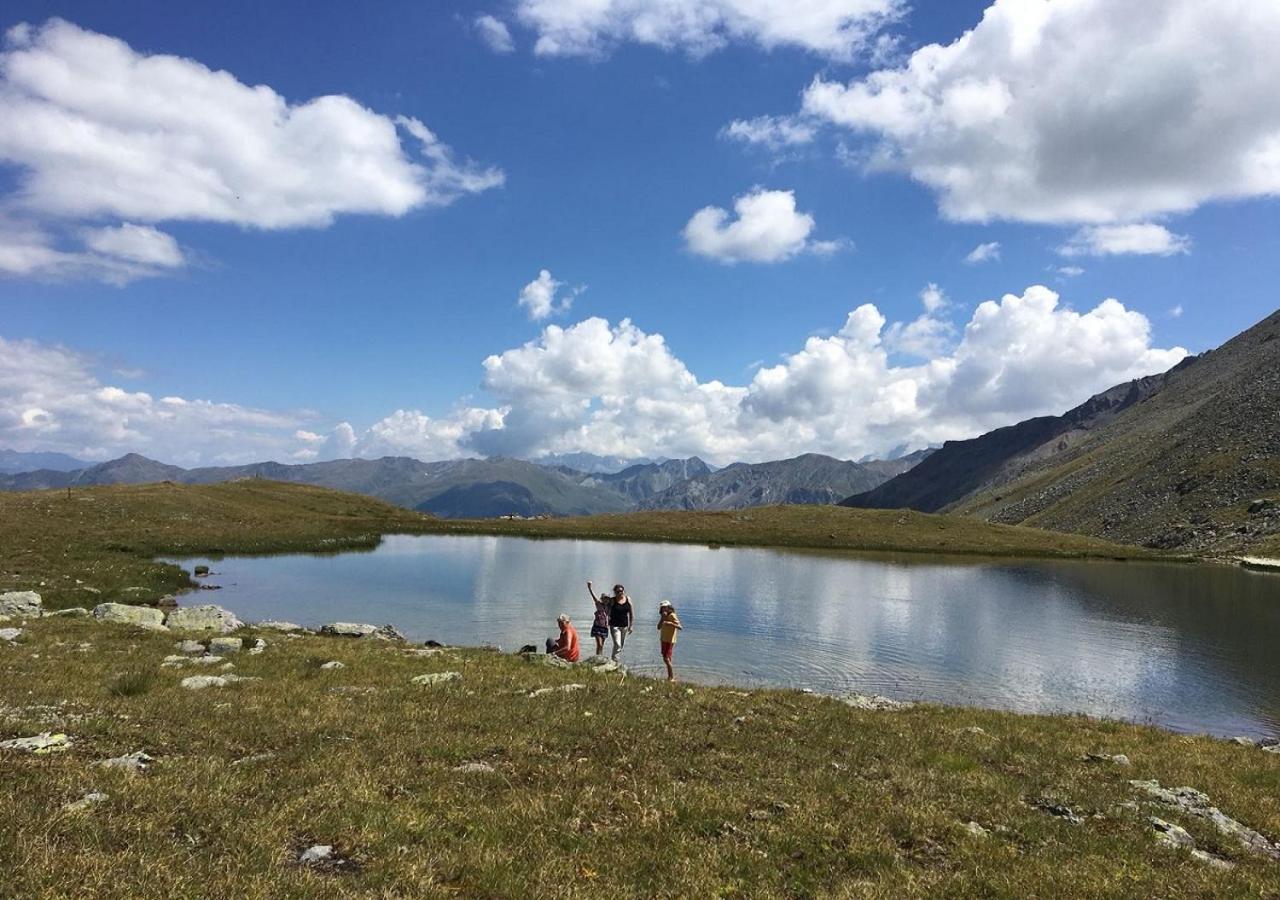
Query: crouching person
[{"x": 566, "y": 646}]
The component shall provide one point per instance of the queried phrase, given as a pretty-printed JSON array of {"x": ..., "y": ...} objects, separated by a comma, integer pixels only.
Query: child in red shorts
[{"x": 668, "y": 625}]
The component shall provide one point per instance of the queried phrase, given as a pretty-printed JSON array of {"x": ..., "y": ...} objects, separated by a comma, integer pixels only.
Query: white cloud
[
  {"x": 51, "y": 400},
  {"x": 1113, "y": 240},
  {"x": 1079, "y": 111},
  {"x": 932, "y": 298},
  {"x": 1175, "y": 312},
  {"x": 773, "y": 132},
  {"x": 542, "y": 297},
  {"x": 768, "y": 228},
  {"x": 594, "y": 385},
  {"x": 495, "y": 34},
  {"x": 838, "y": 29},
  {"x": 1069, "y": 271},
  {"x": 97, "y": 131},
  {"x": 114, "y": 255},
  {"x": 983, "y": 253}
]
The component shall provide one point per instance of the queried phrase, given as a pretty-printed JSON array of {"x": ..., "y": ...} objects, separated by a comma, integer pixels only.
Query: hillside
[
  {"x": 638, "y": 483},
  {"x": 1174, "y": 461},
  {"x": 533, "y": 489},
  {"x": 809, "y": 479},
  {"x": 14, "y": 461}
]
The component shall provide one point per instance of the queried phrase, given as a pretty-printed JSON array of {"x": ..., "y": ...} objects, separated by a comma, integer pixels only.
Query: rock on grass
[
  {"x": 124, "y": 614},
  {"x": 435, "y": 678},
  {"x": 202, "y": 618},
  {"x": 45, "y": 742}
]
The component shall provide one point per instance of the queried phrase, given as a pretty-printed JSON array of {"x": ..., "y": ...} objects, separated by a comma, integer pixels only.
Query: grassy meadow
[{"x": 622, "y": 787}]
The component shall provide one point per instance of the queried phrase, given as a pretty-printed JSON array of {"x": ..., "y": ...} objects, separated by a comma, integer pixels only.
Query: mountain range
[
  {"x": 13, "y": 462},
  {"x": 1186, "y": 460},
  {"x": 501, "y": 486}
]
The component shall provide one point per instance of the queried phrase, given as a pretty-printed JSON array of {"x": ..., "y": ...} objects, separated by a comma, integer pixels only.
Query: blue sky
[{"x": 605, "y": 154}]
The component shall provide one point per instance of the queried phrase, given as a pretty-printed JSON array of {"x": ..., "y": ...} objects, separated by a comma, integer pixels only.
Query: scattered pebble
[
  {"x": 1057, "y": 810},
  {"x": 135, "y": 763},
  {"x": 333, "y": 664}
]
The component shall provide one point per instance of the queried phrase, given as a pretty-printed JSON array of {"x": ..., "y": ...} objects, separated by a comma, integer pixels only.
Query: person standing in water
[
  {"x": 621, "y": 619},
  {"x": 600, "y": 624},
  {"x": 668, "y": 625}
]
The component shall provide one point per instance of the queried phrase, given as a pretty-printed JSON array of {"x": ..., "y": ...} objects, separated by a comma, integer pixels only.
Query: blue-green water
[{"x": 1193, "y": 648}]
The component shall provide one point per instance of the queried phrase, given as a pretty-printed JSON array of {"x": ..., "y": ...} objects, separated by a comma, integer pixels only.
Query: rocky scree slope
[{"x": 1188, "y": 460}]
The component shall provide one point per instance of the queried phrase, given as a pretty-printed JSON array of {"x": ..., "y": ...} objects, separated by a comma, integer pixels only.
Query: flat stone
[
  {"x": 975, "y": 829},
  {"x": 273, "y": 625},
  {"x": 1244, "y": 741},
  {"x": 124, "y": 614},
  {"x": 10, "y": 634},
  {"x": 86, "y": 801},
  {"x": 1215, "y": 862},
  {"x": 546, "y": 659},
  {"x": 1169, "y": 834},
  {"x": 174, "y": 662},
  {"x": 422, "y": 651},
  {"x": 474, "y": 768},
  {"x": 601, "y": 665},
  {"x": 42, "y": 743},
  {"x": 1196, "y": 803},
  {"x": 253, "y": 758},
  {"x": 333, "y": 664},
  {"x": 259, "y": 645},
  {"x": 206, "y": 617},
  {"x": 134, "y": 763},
  {"x": 73, "y": 612},
  {"x": 200, "y": 682},
  {"x": 21, "y": 605},
  {"x": 437, "y": 678},
  {"x": 362, "y": 630},
  {"x": 874, "y": 702},
  {"x": 220, "y": 645},
  {"x": 559, "y": 689},
  {"x": 189, "y": 647}
]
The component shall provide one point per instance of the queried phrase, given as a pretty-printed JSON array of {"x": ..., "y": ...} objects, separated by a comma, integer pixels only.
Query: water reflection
[{"x": 1191, "y": 648}]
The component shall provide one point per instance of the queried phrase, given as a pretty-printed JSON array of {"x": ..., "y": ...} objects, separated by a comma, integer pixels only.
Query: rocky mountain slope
[
  {"x": 639, "y": 483},
  {"x": 808, "y": 479},
  {"x": 1186, "y": 460}
]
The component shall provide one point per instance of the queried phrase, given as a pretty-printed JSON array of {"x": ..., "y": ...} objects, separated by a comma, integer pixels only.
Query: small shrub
[{"x": 131, "y": 684}]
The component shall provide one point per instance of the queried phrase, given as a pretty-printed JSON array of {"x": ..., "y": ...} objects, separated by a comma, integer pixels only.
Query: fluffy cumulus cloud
[
  {"x": 495, "y": 34},
  {"x": 1079, "y": 111},
  {"x": 613, "y": 388},
  {"x": 50, "y": 399},
  {"x": 1144, "y": 238},
  {"x": 838, "y": 29},
  {"x": 107, "y": 141},
  {"x": 765, "y": 227},
  {"x": 545, "y": 297}
]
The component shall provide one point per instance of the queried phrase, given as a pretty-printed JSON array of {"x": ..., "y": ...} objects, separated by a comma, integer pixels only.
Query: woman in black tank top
[{"x": 621, "y": 619}]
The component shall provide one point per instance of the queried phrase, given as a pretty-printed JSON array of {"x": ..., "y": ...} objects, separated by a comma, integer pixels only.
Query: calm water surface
[{"x": 1193, "y": 648}]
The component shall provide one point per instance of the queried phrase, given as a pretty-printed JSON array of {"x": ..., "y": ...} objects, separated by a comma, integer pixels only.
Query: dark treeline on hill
[
  {"x": 482, "y": 488},
  {"x": 1186, "y": 460}
]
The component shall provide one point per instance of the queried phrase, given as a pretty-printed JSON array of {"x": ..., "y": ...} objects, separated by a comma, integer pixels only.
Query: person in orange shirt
[
  {"x": 668, "y": 625},
  {"x": 566, "y": 647}
]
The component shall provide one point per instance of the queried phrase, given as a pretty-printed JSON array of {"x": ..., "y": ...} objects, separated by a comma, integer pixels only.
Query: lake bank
[
  {"x": 509, "y": 777},
  {"x": 1189, "y": 648}
]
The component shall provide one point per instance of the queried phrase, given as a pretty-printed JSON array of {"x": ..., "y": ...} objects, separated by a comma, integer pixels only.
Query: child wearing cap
[{"x": 668, "y": 625}]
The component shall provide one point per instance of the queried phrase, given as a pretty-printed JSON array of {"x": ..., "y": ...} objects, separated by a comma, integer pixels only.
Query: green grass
[
  {"x": 627, "y": 788},
  {"x": 90, "y": 545},
  {"x": 811, "y": 527}
]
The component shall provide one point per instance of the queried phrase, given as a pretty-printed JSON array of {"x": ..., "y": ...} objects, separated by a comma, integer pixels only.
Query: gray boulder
[
  {"x": 221, "y": 645},
  {"x": 124, "y": 614},
  {"x": 874, "y": 702},
  {"x": 272, "y": 625},
  {"x": 74, "y": 612},
  {"x": 21, "y": 605},
  {"x": 202, "y": 618},
  {"x": 189, "y": 647},
  {"x": 10, "y": 634},
  {"x": 362, "y": 630},
  {"x": 546, "y": 659},
  {"x": 85, "y": 802},
  {"x": 44, "y": 742},
  {"x": 200, "y": 682}
]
